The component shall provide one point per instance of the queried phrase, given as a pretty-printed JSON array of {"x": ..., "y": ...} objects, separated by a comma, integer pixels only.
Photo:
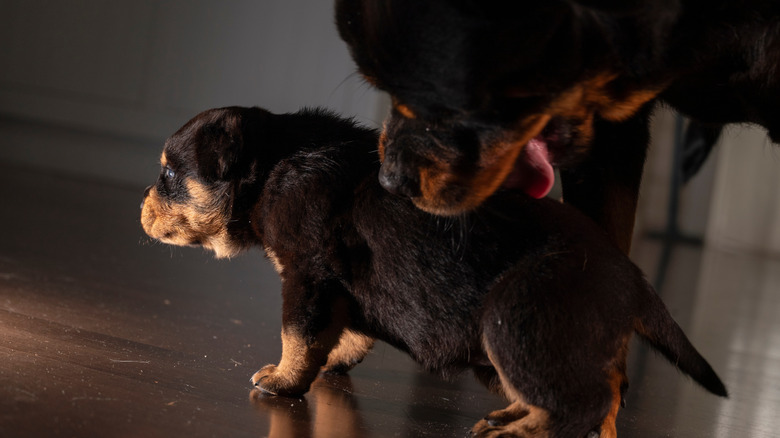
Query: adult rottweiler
[
  {"x": 529, "y": 294},
  {"x": 487, "y": 93}
]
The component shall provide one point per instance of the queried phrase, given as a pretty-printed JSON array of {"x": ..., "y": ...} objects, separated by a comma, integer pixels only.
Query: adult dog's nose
[{"x": 399, "y": 179}]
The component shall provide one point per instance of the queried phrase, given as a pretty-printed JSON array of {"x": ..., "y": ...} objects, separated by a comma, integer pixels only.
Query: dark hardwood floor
[{"x": 104, "y": 333}]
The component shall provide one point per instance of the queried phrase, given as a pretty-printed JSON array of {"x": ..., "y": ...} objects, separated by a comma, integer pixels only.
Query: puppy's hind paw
[
  {"x": 350, "y": 351},
  {"x": 517, "y": 420}
]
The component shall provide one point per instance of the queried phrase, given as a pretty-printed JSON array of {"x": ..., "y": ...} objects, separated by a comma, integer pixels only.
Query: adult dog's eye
[{"x": 168, "y": 173}]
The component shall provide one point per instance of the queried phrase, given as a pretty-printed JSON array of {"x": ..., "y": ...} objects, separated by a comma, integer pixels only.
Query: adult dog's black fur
[
  {"x": 530, "y": 294},
  {"x": 491, "y": 93}
]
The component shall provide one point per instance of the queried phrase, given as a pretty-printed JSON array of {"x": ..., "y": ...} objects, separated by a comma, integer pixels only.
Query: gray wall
[{"x": 135, "y": 70}]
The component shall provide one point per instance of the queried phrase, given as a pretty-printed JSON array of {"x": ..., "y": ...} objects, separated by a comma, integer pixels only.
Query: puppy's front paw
[{"x": 274, "y": 381}]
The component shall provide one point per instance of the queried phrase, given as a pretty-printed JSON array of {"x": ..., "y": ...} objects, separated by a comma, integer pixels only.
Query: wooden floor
[{"x": 106, "y": 334}]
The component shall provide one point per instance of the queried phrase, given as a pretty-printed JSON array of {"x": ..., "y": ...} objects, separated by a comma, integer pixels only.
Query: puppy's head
[
  {"x": 208, "y": 182},
  {"x": 488, "y": 94}
]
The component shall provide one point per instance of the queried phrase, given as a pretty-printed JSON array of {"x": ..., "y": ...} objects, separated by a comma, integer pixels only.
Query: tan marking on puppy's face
[{"x": 189, "y": 214}]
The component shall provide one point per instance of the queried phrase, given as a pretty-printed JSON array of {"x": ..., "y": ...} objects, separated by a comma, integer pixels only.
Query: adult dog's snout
[{"x": 398, "y": 176}]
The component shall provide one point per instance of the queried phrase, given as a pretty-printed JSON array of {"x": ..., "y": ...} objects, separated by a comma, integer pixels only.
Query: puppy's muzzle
[{"x": 146, "y": 195}]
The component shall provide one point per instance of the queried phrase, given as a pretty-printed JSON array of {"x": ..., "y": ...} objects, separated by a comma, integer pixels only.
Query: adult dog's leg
[{"x": 605, "y": 186}]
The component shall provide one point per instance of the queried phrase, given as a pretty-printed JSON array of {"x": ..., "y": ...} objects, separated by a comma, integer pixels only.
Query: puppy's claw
[
  {"x": 263, "y": 390},
  {"x": 262, "y": 375}
]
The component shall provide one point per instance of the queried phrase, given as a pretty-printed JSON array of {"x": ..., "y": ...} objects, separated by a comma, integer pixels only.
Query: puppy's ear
[{"x": 226, "y": 144}]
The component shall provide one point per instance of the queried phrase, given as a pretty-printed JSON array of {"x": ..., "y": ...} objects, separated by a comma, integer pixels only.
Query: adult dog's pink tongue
[{"x": 533, "y": 172}]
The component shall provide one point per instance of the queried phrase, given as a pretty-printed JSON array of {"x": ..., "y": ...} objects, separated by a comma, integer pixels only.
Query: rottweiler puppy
[
  {"x": 529, "y": 294},
  {"x": 494, "y": 94}
]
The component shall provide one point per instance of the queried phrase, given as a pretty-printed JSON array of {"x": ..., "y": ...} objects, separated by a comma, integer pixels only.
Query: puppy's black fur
[
  {"x": 472, "y": 82},
  {"x": 529, "y": 294}
]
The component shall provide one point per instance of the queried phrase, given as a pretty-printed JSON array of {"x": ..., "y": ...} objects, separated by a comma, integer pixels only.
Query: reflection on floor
[{"x": 103, "y": 333}]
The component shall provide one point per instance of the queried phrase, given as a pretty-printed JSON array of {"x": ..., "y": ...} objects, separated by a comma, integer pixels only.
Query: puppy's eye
[{"x": 168, "y": 173}]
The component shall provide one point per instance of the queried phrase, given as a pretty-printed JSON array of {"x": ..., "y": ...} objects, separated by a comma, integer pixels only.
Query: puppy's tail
[{"x": 660, "y": 330}]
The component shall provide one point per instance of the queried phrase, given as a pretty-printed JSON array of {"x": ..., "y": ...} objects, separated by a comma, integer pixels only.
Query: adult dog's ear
[{"x": 226, "y": 144}]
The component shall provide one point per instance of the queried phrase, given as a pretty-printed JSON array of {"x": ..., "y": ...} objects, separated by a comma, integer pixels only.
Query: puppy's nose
[
  {"x": 146, "y": 195},
  {"x": 398, "y": 180}
]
